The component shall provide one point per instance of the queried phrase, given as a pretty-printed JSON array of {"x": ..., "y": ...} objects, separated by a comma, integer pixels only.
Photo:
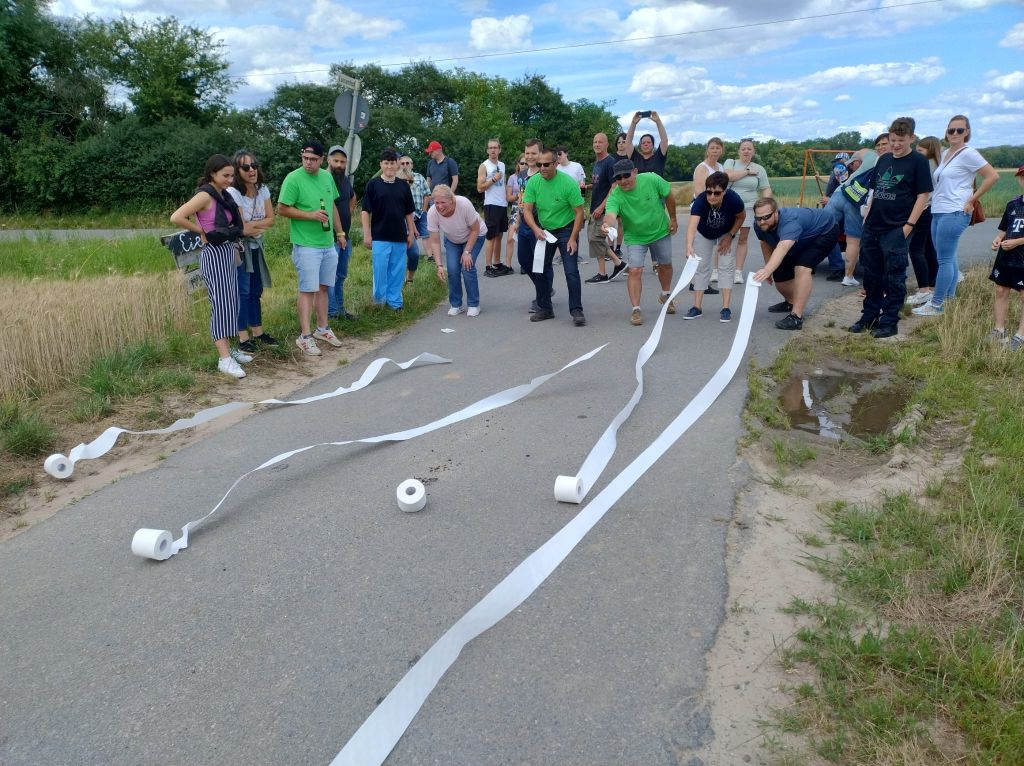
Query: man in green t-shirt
[
  {"x": 640, "y": 202},
  {"x": 552, "y": 204},
  {"x": 307, "y": 199}
]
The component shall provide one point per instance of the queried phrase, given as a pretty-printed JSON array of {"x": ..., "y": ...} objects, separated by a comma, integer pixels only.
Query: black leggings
[{"x": 922, "y": 251}]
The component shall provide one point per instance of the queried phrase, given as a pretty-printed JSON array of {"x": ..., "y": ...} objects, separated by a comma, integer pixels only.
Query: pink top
[
  {"x": 207, "y": 218},
  {"x": 456, "y": 226}
]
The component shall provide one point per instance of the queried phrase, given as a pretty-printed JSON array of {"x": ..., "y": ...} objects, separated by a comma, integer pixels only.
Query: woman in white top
[
  {"x": 952, "y": 202},
  {"x": 750, "y": 181},
  {"x": 712, "y": 153},
  {"x": 252, "y": 196}
]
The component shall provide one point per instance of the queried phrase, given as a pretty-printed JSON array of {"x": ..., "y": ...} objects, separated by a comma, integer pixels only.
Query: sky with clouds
[{"x": 791, "y": 70}]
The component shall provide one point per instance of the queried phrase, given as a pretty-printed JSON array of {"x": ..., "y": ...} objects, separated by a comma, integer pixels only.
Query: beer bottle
[{"x": 325, "y": 225}]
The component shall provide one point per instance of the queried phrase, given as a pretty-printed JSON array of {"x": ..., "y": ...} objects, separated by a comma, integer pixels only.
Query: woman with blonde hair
[
  {"x": 750, "y": 181},
  {"x": 713, "y": 151}
]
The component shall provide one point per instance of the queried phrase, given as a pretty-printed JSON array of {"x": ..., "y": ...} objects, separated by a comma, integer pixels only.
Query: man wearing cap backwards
[
  {"x": 307, "y": 199},
  {"x": 640, "y": 202},
  {"x": 337, "y": 162},
  {"x": 552, "y": 202},
  {"x": 441, "y": 169}
]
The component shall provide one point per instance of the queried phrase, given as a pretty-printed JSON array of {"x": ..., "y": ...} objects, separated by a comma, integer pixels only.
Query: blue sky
[{"x": 791, "y": 69}]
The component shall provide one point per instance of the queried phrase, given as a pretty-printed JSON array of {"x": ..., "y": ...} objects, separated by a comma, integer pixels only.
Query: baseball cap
[
  {"x": 433, "y": 146},
  {"x": 623, "y": 167},
  {"x": 337, "y": 148},
  {"x": 313, "y": 147},
  {"x": 1020, "y": 171},
  {"x": 841, "y": 157}
]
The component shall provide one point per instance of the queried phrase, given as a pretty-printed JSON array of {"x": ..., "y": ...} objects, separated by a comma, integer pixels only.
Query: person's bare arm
[
  {"x": 662, "y": 134},
  {"x": 988, "y": 178},
  {"x": 183, "y": 216},
  {"x": 577, "y": 224},
  {"x": 527, "y": 212},
  {"x": 670, "y": 208},
  {"x": 455, "y": 183},
  {"x": 482, "y": 179},
  {"x": 364, "y": 216},
  {"x": 772, "y": 259},
  {"x": 632, "y": 130}
]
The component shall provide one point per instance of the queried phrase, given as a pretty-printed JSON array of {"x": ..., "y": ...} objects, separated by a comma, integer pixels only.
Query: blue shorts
[
  {"x": 316, "y": 266},
  {"x": 847, "y": 214}
]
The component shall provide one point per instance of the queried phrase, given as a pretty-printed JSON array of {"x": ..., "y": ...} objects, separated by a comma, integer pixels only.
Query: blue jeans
[
  {"x": 250, "y": 288},
  {"x": 543, "y": 282},
  {"x": 457, "y": 274},
  {"x": 388, "y": 272},
  {"x": 946, "y": 231},
  {"x": 335, "y": 296},
  {"x": 883, "y": 255}
]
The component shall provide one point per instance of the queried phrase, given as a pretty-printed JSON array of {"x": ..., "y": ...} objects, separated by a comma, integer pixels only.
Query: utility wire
[{"x": 520, "y": 52}]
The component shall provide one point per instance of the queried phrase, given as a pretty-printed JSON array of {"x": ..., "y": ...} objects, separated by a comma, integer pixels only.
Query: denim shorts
[
  {"x": 847, "y": 214},
  {"x": 316, "y": 266}
]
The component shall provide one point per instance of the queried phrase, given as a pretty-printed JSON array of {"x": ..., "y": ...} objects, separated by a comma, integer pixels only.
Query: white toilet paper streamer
[
  {"x": 62, "y": 466},
  {"x": 380, "y": 732},
  {"x": 539, "y": 250},
  {"x": 572, "y": 489},
  {"x": 492, "y": 402},
  {"x": 411, "y": 495}
]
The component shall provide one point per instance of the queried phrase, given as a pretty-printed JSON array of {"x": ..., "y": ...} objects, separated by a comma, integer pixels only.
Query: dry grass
[{"x": 57, "y": 328}]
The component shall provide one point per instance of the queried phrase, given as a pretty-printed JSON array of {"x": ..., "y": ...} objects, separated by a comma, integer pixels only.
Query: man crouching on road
[
  {"x": 794, "y": 240},
  {"x": 553, "y": 202}
]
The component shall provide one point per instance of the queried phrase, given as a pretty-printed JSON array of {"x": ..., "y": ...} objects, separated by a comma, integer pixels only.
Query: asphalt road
[{"x": 302, "y": 603}]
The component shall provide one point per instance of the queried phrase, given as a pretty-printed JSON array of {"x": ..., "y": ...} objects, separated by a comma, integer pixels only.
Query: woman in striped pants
[{"x": 219, "y": 226}]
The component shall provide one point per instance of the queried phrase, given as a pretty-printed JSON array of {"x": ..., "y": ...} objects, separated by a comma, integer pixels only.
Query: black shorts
[
  {"x": 808, "y": 254},
  {"x": 1007, "y": 273},
  {"x": 496, "y": 220}
]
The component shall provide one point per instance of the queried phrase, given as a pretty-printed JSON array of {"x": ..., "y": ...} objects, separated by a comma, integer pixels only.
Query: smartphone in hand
[{"x": 645, "y": 114}]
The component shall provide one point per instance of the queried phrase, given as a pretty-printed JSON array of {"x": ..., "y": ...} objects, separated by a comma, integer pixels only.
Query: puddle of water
[{"x": 832, "y": 401}]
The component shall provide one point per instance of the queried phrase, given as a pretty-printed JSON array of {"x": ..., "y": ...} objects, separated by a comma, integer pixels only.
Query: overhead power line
[{"x": 622, "y": 41}]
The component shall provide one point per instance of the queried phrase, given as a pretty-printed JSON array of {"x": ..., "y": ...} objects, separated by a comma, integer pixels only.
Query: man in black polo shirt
[{"x": 601, "y": 178}]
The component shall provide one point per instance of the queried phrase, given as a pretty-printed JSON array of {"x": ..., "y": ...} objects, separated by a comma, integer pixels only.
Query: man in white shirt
[
  {"x": 490, "y": 181},
  {"x": 572, "y": 169}
]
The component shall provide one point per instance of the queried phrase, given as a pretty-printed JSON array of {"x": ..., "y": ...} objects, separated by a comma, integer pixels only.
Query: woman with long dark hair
[
  {"x": 252, "y": 196},
  {"x": 214, "y": 216},
  {"x": 921, "y": 247}
]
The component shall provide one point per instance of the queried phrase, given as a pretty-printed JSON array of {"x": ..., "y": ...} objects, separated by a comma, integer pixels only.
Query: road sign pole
[{"x": 352, "y": 127}]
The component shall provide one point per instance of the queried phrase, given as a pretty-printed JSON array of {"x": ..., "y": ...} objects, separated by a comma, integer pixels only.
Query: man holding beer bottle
[{"x": 307, "y": 194}]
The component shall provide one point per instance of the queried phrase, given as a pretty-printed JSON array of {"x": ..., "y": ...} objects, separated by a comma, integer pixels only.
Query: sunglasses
[
  {"x": 523, "y": 164},
  {"x": 958, "y": 131},
  {"x": 248, "y": 166},
  {"x": 622, "y": 177},
  {"x": 714, "y": 192},
  {"x": 763, "y": 218},
  {"x": 406, "y": 164},
  {"x": 545, "y": 164}
]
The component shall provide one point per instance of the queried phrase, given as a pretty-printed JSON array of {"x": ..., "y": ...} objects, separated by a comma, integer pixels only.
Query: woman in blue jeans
[
  {"x": 464, "y": 232},
  {"x": 953, "y": 199}
]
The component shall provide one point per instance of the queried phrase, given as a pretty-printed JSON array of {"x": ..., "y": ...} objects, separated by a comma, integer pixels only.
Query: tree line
[{"x": 122, "y": 114}]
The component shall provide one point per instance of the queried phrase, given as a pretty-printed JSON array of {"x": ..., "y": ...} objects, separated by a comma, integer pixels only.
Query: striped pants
[{"x": 217, "y": 265}]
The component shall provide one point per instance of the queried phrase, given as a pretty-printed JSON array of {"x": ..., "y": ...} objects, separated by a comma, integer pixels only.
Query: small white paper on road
[{"x": 447, "y": 329}]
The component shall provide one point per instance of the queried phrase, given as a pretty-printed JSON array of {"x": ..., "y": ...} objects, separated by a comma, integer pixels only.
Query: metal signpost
[{"x": 351, "y": 111}]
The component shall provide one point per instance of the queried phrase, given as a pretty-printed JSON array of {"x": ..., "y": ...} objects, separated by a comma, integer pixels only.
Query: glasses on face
[
  {"x": 622, "y": 177},
  {"x": 310, "y": 159},
  {"x": 763, "y": 218},
  {"x": 405, "y": 164},
  {"x": 522, "y": 164},
  {"x": 247, "y": 166},
  {"x": 714, "y": 192},
  {"x": 957, "y": 131},
  {"x": 545, "y": 164}
]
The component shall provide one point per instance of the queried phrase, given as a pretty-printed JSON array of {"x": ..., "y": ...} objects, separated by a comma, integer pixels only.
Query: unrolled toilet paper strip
[
  {"x": 538, "y": 257},
  {"x": 572, "y": 489},
  {"x": 613, "y": 234},
  {"x": 492, "y": 402},
  {"x": 62, "y": 466},
  {"x": 380, "y": 732},
  {"x": 411, "y": 495}
]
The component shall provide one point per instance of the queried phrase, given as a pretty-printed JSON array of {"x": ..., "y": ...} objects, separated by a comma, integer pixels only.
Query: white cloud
[
  {"x": 327, "y": 17},
  {"x": 1015, "y": 37},
  {"x": 491, "y": 34},
  {"x": 843, "y": 97},
  {"x": 1013, "y": 82}
]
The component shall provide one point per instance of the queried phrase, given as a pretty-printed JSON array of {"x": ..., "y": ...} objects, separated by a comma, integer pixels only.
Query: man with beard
[{"x": 337, "y": 163}]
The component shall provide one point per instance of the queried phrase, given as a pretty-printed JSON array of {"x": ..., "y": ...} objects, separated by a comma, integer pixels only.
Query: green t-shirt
[
  {"x": 304, "y": 191},
  {"x": 554, "y": 201},
  {"x": 641, "y": 210}
]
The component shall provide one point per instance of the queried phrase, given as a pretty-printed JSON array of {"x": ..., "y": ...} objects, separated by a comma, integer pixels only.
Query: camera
[{"x": 645, "y": 114}]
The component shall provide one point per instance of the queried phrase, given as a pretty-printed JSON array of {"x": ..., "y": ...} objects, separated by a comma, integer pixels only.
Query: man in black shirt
[
  {"x": 597, "y": 242},
  {"x": 388, "y": 230},
  {"x": 899, "y": 192},
  {"x": 337, "y": 163}
]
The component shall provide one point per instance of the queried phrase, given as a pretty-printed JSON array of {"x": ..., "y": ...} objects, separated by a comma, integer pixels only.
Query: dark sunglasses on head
[
  {"x": 958, "y": 131},
  {"x": 622, "y": 176},
  {"x": 763, "y": 218},
  {"x": 714, "y": 192},
  {"x": 545, "y": 164},
  {"x": 247, "y": 166}
]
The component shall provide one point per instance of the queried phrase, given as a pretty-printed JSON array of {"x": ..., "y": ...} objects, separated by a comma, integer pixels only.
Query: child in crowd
[{"x": 1008, "y": 270}]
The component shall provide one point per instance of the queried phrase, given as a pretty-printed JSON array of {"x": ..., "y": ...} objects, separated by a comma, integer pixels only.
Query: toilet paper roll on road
[
  {"x": 58, "y": 466},
  {"x": 569, "y": 489},
  {"x": 153, "y": 544},
  {"x": 411, "y": 496}
]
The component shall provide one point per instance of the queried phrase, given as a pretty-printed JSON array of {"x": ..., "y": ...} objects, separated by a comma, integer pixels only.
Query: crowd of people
[{"x": 905, "y": 202}]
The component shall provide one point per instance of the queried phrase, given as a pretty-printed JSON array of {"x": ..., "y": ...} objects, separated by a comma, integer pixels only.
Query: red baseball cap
[{"x": 434, "y": 146}]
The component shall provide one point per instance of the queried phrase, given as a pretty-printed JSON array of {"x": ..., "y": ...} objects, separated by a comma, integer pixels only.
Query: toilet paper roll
[
  {"x": 411, "y": 496},
  {"x": 569, "y": 489},
  {"x": 156, "y": 544},
  {"x": 58, "y": 466},
  {"x": 550, "y": 237}
]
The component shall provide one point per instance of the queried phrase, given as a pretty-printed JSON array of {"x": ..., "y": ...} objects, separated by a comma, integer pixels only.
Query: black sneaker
[
  {"x": 505, "y": 270},
  {"x": 884, "y": 331},
  {"x": 247, "y": 346},
  {"x": 598, "y": 278},
  {"x": 790, "y": 322},
  {"x": 861, "y": 325},
  {"x": 522, "y": 270},
  {"x": 265, "y": 339},
  {"x": 618, "y": 250},
  {"x": 711, "y": 291},
  {"x": 493, "y": 271},
  {"x": 577, "y": 317},
  {"x": 533, "y": 307},
  {"x": 542, "y": 314},
  {"x": 784, "y": 307},
  {"x": 617, "y": 270}
]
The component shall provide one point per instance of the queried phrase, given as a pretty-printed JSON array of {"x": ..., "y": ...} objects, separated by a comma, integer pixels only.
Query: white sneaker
[
  {"x": 474, "y": 311},
  {"x": 454, "y": 311},
  {"x": 960, "y": 277},
  {"x": 327, "y": 335},
  {"x": 928, "y": 310},
  {"x": 229, "y": 366},
  {"x": 737, "y": 278},
  {"x": 918, "y": 298},
  {"x": 240, "y": 356},
  {"x": 850, "y": 282},
  {"x": 308, "y": 345},
  {"x": 714, "y": 275}
]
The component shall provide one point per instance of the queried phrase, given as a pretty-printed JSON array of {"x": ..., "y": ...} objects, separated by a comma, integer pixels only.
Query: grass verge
[{"x": 919, "y": 658}]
